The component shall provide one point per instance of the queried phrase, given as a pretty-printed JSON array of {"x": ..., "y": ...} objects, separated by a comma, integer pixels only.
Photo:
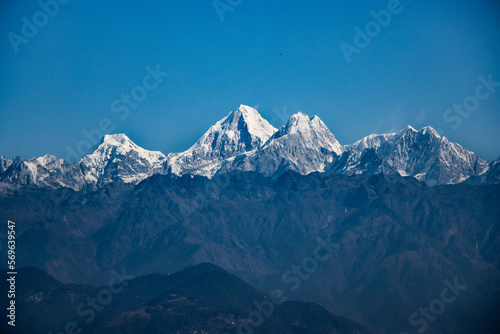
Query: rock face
[
  {"x": 44, "y": 171},
  {"x": 491, "y": 176},
  {"x": 116, "y": 158},
  {"x": 245, "y": 141},
  {"x": 255, "y": 200},
  {"x": 303, "y": 145},
  {"x": 243, "y": 131},
  {"x": 422, "y": 154}
]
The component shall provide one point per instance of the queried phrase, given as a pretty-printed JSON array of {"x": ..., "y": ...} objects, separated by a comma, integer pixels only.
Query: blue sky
[{"x": 281, "y": 56}]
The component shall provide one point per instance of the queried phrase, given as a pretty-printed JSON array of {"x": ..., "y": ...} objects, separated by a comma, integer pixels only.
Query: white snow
[
  {"x": 257, "y": 125},
  {"x": 244, "y": 140},
  {"x": 33, "y": 169},
  {"x": 222, "y": 141},
  {"x": 113, "y": 149}
]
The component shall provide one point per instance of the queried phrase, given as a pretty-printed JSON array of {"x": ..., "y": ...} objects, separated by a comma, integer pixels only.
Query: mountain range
[
  {"x": 394, "y": 218},
  {"x": 392, "y": 241},
  {"x": 245, "y": 141}
]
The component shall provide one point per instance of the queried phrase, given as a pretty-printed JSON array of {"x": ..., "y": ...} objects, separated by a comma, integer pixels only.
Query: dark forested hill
[
  {"x": 200, "y": 299},
  {"x": 374, "y": 249}
]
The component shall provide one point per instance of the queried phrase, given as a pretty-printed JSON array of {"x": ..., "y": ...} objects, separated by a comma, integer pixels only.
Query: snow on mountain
[
  {"x": 19, "y": 171},
  {"x": 491, "y": 175},
  {"x": 376, "y": 141},
  {"x": 303, "y": 145},
  {"x": 116, "y": 159},
  {"x": 312, "y": 132},
  {"x": 44, "y": 171},
  {"x": 423, "y": 154},
  {"x": 4, "y": 164},
  {"x": 244, "y": 140},
  {"x": 119, "y": 158},
  {"x": 243, "y": 130}
]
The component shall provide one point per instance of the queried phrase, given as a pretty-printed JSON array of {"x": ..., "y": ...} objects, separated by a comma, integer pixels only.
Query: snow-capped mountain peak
[
  {"x": 241, "y": 131},
  {"x": 116, "y": 145},
  {"x": 303, "y": 145},
  {"x": 423, "y": 154},
  {"x": 117, "y": 139},
  {"x": 373, "y": 141},
  {"x": 49, "y": 160},
  {"x": 257, "y": 125},
  {"x": 311, "y": 131},
  {"x": 430, "y": 130},
  {"x": 244, "y": 140},
  {"x": 119, "y": 158},
  {"x": 406, "y": 129},
  {"x": 299, "y": 122}
]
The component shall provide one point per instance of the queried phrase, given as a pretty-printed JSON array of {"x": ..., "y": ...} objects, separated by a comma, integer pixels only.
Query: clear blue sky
[{"x": 66, "y": 77}]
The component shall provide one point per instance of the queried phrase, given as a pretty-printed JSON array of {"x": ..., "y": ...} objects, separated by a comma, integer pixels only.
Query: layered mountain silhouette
[
  {"x": 395, "y": 219},
  {"x": 199, "y": 299},
  {"x": 245, "y": 141},
  {"x": 398, "y": 239}
]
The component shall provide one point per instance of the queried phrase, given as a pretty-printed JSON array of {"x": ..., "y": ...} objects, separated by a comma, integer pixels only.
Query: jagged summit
[
  {"x": 242, "y": 130},
  {"x": 257, "y": 125},
  {"x": 123, "y": 145},
  {"x": 116, "y": 139},
  {"x": 407, "y": 128},
  {"x": 49, "y": 159},
  {"x": 119, "y": 158},
  {"x": 374, "y": 141},
  {"x": 244, "y": 140},
  {"x": 116, "y": 158},
  {"x": 310, "y": 130},
  {"x": 430, "y": 130},
  {"x": 303, "y": 145},
  {"x": 423, "y": 154},
  {"x": 298, "y": 122}
]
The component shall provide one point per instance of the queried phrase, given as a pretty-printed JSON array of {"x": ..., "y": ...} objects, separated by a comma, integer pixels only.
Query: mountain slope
[
  {"x": 243, "y": 130},
  {"x": 303, "y": 145},
  {"x": 117, "y": 158},
  {"x": 245, "y": 141},
  {"x": 398, "y": 238},
  {"x": 423, "y": 154},
  {"x": 4, "y": 164},
  {"x": 490, "y": 176},
  {"x": 199, "y": 299},
  {"x": 48, "y": 171}
]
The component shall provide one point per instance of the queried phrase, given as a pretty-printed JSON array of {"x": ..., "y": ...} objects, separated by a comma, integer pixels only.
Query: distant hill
[{"x": 200, "y": 299}]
